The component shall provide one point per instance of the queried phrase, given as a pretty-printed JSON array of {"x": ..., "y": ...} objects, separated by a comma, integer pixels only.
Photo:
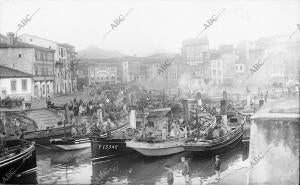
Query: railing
[{"x": 24, "y": 119}]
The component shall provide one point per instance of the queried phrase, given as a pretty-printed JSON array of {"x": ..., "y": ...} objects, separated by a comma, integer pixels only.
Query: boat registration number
[{"x": 107, "y": 147}]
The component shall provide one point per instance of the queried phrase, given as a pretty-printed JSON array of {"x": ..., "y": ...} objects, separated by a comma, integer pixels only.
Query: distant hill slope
[{"x": 93, "y": 52}]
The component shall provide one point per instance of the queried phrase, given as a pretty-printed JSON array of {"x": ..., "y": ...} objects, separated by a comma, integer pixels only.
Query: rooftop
[
  {"x": 24, "y": 45},
  {"x": 6, "y": 72}
]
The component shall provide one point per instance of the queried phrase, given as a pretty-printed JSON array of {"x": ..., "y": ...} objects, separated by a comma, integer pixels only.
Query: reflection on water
[
  {"x": 64, "y": 167},
  {"x": 76, "y": 167}
]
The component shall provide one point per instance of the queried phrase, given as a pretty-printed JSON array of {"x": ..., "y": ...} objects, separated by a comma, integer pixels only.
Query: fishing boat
[
  {"x": 214, "y": 133},
  {"x": 72, "y": 143},
  {"x": 159, "y": 148},
  {"x": 17, "y": 162},
  {"x": 33, "y": 132},
  {"x": 219, "y": 145},
  {"x": 156, "y": 142},
  {"x": 104, "y": 147}
]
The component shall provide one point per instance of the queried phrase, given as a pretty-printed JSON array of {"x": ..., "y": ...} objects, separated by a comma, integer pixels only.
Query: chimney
[{"x": 10, "y": 38}]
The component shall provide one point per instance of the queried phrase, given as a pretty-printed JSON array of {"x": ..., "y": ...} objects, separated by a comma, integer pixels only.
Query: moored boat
[
  {"x": 104, "y": 147},
  {"x": 155, "y": 140},
  {"x": 208, "y": 147},
  {"x": 214, "y": 132},
  {"x": 162, "y": 148},
  {"x": 18, "y": 163},
  {"x": 71, "y": 143}
]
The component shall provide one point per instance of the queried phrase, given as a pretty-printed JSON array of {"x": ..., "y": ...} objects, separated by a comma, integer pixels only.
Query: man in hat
[{"x": 217, "y": 166}]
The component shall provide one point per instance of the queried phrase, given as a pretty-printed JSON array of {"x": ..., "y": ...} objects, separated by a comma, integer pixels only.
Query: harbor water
[{"x": 75, "y": 167}]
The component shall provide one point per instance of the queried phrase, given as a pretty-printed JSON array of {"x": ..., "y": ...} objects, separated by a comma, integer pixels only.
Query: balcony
[
  {"x": 58, "y": 62},
  {"x": 43, "y": 77}
]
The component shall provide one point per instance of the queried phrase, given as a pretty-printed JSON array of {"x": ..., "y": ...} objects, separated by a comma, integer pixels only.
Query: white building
[
  {"x": 217, "y": 73},
  {"x": 62, "y": 74},
  {"x": 103, "y": 74},
  {"x": 14, "y": 83},
  {"x": 32, "y": 59}
]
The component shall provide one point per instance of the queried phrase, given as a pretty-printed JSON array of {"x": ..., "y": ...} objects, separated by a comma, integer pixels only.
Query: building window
[
  {"x": 214, "y": 72},
  {"x": 24, "y": 85},
  {"x": 13, "y": 85},
  {"x": 36, "y": 70},
  {"x": 43, "y": 89}
]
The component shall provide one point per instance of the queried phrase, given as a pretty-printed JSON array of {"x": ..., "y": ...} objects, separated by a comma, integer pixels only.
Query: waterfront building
[
  {"x": 101, "y": 71},
  {"x": 68, "y": 78},
  {"x": 65, "y": 70},
  {"x": 133, "y": 69},
  {"x": 15, "y": 83},
  {"x": 197, "y": 55},
  {"x": 163, "y": 71},
  {"x": 228, "y": 64},
  {"x": 35, "y": 60},
  {"x": 280, "y": 58}
]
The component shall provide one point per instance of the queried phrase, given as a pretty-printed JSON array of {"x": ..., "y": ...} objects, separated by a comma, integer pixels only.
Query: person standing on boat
[
  {"x": 185, "y": 169},
  {"x": 108, "y": 127},
  {"x": 217, "y": 166}
]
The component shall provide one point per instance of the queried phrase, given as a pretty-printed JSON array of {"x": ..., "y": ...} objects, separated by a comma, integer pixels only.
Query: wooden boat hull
[
  {"x": 207, "y": 150},
  {"x": 20, "y": 168},
  {"x": 43, "y": 136},
  {"x": 156, "y": 149},
  {"x": 104, "y": 148},
  {"x": 71, "y": 143}
]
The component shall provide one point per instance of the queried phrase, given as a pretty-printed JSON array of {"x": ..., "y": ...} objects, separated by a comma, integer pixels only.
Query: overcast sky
[{"x": 152, "y": 26}]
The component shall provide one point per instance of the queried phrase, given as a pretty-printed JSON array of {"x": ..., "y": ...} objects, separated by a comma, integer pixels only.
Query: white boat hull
[
  {"x": 156, "y": 149},
  {"x": 74, "y": 146}
]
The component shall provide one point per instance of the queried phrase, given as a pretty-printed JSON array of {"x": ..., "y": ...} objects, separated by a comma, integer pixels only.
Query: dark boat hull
[
  {"x": 218, "y": 148},
  {"x": 43, "y": 136},
  {"x": 20, "y": 168},
  {"x": 104, "y": 149},
  {"x": 72, "y": 143}
]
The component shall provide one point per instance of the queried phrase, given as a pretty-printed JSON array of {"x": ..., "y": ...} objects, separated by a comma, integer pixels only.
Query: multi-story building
[
  {"x": 64, "y": 62},
  {"x": 14, "y": 83},
  {"x": 133, "y": 69},
  {"x": 229, "y": 60},
  {"x": 103, "y": 74},
  {"x": 197, "y": 55},
  {"x": 66, "y": 69},
  {"x": 32, "y": 59},
  {"x": 101, "y": 71},
  {"x": 196, "y": 51}
]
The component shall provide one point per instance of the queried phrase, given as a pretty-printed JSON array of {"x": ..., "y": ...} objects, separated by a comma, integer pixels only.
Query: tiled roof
[
  {"x": 6, "y": 72},
  {"x": 24, "y": 45},
  {"x": 66, "y": 45}
]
